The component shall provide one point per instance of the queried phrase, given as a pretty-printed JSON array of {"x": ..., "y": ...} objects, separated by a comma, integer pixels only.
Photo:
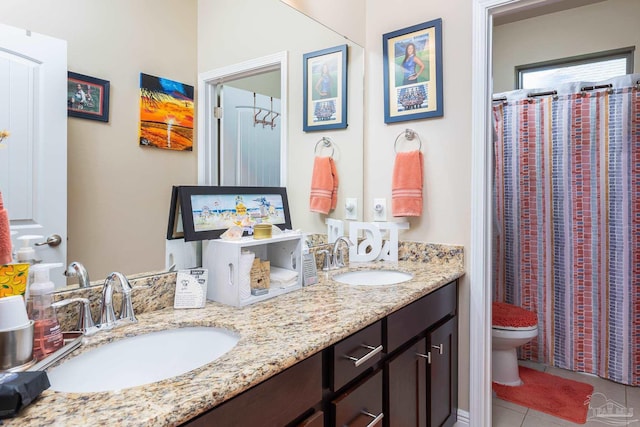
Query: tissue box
[{"x": 260, "y": 272}]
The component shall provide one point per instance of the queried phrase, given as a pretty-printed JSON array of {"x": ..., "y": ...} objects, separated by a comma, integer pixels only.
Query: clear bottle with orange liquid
[{"x": 47, "y": 336}]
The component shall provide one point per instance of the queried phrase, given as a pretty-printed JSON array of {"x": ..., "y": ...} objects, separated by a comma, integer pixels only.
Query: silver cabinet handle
[
  {"x": 376, "y": 418},
  {"x": 438, "y": 347},
  {"x": 53, "y": 241},
  {"x": 374, "y": 350},
  {"x": 425, "y": 356}
]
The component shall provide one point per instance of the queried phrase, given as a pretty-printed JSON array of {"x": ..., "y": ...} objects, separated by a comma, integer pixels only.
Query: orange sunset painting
[{"x": 166, "y": 113}]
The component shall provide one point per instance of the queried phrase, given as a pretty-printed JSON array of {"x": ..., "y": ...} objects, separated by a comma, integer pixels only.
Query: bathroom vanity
[
  {"x": 294, "y": 360},
  {"x": 399, "y": 371}
]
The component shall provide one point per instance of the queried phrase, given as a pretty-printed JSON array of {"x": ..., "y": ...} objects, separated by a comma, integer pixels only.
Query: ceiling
[{"x": 542, "y": 8}]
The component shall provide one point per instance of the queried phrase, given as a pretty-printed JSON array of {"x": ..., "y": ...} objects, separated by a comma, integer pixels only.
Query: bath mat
[{"x": 553, "y": 395}]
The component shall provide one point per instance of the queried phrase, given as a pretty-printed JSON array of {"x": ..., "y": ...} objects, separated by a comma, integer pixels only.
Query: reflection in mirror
[
  {"x": 118, "y": 192},
  {"x": 250, "y": 131}
]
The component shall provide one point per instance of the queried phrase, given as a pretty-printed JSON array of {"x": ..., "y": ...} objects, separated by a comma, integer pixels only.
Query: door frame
[
  {"x": 480, "y": 260},
  {"x": 208, "y": 83}
]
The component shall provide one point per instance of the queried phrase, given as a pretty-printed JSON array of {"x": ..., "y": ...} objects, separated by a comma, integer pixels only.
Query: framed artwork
[
  {"x": 166, "y": 114},
  {"x": 207, "y": 212},
  {"x": 87, "y": 97},
  {"x": 412, "y": 73},
  {"x": 325, "y": 89},
  {"x": 175, "y": 229}
]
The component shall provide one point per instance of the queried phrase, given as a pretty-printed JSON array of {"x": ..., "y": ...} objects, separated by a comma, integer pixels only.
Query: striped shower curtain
[{"x": 567, "y": 224}]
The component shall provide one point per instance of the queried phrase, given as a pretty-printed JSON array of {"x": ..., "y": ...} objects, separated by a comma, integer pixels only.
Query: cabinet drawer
[
  {"x": 354, "y": 355},
  {"x": 315, "y": 420},
  {"x": 418, "y": 316},
  {"x": 361, "y": 405}
]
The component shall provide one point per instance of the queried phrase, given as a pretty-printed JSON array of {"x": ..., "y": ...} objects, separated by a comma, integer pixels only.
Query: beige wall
[
  {"x": 344, "y": 17},
  {"x": 276, "y": 27},
  {"x": 612, "y": 24},
  {"x": 446, "y": 141},
  {"x": 118, "y": 192}
]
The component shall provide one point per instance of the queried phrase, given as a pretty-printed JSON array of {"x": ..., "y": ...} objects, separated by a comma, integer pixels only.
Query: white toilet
[{"x": 512, "y": 327}]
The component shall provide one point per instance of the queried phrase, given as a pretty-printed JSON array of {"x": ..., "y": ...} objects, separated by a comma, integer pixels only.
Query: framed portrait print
[
  {"x": 209, "y": 211},
  {"x": 325, "y": 89},
  {"x": 412, "y": 73},
  {"x": 87, "y": 97}
]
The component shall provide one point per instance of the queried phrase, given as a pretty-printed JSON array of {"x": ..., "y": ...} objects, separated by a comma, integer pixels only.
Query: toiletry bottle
[
  {"x": 47, "y": 336},
  {"x": 27, "y": 254}
]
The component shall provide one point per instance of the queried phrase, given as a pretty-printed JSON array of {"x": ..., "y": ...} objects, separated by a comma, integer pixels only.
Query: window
[{"x": 591, "y": 68}]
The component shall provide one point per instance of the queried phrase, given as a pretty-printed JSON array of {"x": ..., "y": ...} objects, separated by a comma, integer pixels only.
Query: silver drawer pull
[
  {"x": 374, "y": 350},
  {"x": 376, "y": 418},
  {"x": 438, "y": 347},
  {"x": 425, "y": 356}
]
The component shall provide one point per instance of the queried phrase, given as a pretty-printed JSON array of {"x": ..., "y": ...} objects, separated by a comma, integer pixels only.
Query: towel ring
[
  {"x": 409, "y": 134},
  {"x": 326, "y": 142}
]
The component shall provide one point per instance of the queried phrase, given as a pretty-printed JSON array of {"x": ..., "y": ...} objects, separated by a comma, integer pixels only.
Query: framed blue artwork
[
  {"x": 412, "y": 72},
  {"x": 325, "y": 89}
]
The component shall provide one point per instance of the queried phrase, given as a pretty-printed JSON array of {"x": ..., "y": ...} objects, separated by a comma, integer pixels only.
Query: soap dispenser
[
  {"x": 27, "y": 254},
  {"x": 47, "y": 336}
]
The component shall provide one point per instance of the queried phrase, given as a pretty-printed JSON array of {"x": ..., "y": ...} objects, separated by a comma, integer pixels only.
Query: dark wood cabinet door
[
  {"x": 406, "y": 379},
  {"x": 277, "y": 401},
  {"x": 443, "y": 376}
]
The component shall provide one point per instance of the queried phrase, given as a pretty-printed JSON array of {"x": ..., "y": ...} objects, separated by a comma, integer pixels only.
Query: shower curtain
[{"x": 567, "y": 223}]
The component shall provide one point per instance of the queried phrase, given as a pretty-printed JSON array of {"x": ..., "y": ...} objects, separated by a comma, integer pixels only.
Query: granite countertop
[{"x": 275, "y": 334}]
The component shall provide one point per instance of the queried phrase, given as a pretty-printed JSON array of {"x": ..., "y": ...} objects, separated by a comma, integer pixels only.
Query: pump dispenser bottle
[
  {"x": 47, "y": 336},
  {"x": 26, "y": 253}
]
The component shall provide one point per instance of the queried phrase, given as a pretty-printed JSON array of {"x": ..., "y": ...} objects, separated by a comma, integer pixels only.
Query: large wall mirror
[{"x": 118, "y": 193}]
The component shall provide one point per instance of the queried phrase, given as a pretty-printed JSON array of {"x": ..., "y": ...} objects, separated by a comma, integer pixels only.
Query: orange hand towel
[
  {"x": 5, "y": 235},
  {"x": 406, "y": 187},
  {"x": 324, "y": 185}
]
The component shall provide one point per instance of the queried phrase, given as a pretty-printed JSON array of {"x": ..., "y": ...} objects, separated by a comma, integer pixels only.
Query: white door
[
  {"x": 249, "y": 138},
  {"x": 33, "y": 159}
]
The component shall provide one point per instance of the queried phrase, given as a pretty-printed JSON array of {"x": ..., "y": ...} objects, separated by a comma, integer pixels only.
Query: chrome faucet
[
  {"x": 107, "y": 315},
  {"x": 75, "y": 269},
  {"x": 334, "y": 259}
]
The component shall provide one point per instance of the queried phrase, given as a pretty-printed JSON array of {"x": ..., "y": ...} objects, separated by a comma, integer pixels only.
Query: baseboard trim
[{"x": 463, "y": 418}]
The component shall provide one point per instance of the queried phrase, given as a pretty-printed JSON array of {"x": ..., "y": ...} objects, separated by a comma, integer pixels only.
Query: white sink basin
[
  {"x": 142, "y": 359},
  {"x": 373, "y": 277}
]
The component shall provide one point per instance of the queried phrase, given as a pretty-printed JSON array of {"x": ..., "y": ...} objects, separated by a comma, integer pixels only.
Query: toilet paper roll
[{"x": 246, "y": 261}]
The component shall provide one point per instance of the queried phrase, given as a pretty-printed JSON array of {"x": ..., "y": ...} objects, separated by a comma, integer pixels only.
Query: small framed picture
[
  {"x": 412, "y": 72},
  {"x": 175, "y": 229},
  {"x": 325, "y": 89},
  {"x": 87, "y": 97},
  {"x": 208, "y": 211}
]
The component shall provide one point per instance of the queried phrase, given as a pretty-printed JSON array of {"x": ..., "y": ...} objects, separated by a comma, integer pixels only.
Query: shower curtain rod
[{"x": 555, "y": 92}]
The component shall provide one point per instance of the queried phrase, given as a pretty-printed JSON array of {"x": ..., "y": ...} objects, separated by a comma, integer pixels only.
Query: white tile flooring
[{"x": 507, "y": 414}]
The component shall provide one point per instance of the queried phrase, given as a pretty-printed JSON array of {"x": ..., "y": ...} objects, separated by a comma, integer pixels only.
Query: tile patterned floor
[{"x": 507, "y": 414}]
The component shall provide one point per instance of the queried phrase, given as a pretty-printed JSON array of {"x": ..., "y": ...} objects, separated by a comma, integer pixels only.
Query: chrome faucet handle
[
  {"x": 339, "y": 259},
  {"x": 85, "y": 321},
  {"x": 126, "y": 309},
  {"x": 326, "y": 264}
]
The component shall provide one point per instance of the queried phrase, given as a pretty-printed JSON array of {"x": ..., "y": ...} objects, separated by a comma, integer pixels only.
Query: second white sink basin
[
  {"x": 373, "y": 277},
  {"x": 142, "y": 359}
]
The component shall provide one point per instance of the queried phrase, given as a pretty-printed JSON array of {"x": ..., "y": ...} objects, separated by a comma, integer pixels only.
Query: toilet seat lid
[{"x": 511, "y": 316}]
